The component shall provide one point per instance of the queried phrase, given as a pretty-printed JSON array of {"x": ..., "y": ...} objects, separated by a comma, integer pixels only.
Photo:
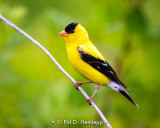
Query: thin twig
[{"x": 57, "y": 64}]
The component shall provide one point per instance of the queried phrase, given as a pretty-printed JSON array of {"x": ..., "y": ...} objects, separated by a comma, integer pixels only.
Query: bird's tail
[{"x": 118, "y": 88}]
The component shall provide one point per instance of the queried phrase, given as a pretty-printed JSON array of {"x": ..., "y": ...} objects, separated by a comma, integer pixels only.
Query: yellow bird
[{"x": 88, "y": 61}]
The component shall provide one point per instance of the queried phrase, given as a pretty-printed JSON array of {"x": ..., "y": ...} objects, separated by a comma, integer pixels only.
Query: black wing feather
[{"x": 101, "y": 66}]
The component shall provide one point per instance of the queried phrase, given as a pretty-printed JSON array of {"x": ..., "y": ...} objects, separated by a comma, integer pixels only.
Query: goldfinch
[{"x": 88, "y": 61}]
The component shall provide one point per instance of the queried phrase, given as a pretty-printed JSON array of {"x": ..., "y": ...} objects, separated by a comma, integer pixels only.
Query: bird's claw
[
  {"x": 89, "y": 100},
  {"x": 76, "y": 85}
]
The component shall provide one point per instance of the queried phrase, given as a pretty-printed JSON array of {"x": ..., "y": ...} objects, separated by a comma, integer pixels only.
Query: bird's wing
[{"x": 100, "y": 65}]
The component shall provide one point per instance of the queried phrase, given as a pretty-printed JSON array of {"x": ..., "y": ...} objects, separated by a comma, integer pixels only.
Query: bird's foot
[
  {"x": 76, "y": 85},
  {"x": 89, "y": 100}
]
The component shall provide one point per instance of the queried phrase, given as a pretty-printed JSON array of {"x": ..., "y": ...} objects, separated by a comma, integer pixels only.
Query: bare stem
[{"x": 57, "y": 64}]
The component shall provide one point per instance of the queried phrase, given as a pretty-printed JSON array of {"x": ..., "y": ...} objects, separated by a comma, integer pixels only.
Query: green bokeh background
[{"x": 33, "y": 91}]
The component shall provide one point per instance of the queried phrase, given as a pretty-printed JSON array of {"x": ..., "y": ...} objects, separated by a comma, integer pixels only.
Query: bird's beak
[{"x": 63, "y": 33}]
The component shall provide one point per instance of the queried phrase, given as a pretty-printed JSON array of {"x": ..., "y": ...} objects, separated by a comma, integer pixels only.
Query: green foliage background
[{"x": 33, "y": 92}]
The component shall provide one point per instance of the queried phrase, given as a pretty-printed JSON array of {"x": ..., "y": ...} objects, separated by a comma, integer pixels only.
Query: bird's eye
[{"x": 71, "y": 31}]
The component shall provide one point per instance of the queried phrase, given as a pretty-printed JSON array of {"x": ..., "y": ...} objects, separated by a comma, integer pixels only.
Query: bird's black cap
[{"x": 70, "y": 28}]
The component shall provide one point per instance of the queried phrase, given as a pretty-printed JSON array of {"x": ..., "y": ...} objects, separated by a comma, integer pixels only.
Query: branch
[{"x": 58, "y": 65}]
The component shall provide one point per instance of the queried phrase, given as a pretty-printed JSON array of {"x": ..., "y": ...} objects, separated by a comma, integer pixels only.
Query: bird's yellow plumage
[
  {"x": 80, "y": 39},
  {"x": 89, "y": 62},
  {"x": 82, "y": 67}
]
